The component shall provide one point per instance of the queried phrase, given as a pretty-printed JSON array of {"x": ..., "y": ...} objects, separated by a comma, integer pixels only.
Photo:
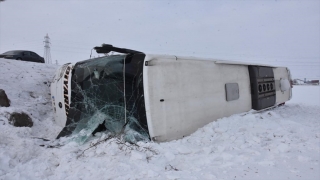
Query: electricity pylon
[{"x": 47, "y": 54}]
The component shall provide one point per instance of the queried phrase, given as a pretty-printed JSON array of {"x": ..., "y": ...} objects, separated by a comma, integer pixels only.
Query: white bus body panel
[
  {"x": 280, "y": 74},
  {"x": 193, "y": 94},
  {"x": 61, "y": 93},
  {"x": 240, "y": 63}
]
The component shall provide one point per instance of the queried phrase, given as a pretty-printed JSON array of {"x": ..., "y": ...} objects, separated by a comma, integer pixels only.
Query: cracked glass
[{"x": 107, "y": 93}]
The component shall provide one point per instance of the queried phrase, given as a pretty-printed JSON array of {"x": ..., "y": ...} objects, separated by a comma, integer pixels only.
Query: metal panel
[
  {"x": 183, "y": 95},
  {"x": 262, "y": 87},
  {"x": 265, "y": 72},
  {"x": 60, "y": 94},
  {"x": 240, "y": 63},
  {"x": 232, "y": 91},
  {"x": 281, "y": 96}
]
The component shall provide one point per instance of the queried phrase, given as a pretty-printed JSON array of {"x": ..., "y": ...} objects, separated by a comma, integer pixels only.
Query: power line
[
  {"x": 68, "y": 47},
  {"x": 88, "y": 51}
]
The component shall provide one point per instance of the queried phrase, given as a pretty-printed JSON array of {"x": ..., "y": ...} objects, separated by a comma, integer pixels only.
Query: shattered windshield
[{"x": 107, "y": 91}]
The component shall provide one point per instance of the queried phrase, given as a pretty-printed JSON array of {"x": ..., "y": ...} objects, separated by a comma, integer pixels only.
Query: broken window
[{"x": 108, "y": 91}]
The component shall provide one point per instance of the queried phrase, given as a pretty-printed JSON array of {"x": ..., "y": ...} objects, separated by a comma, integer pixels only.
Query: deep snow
[{"x": 281, "y": 143}]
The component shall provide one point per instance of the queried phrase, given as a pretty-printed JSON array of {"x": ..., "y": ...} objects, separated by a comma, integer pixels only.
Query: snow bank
[
  {"x": 308, "y": 95},
  {"x": 281, "y": 143}
]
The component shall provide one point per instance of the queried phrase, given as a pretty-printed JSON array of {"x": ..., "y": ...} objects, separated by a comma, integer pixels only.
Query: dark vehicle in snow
[{"x": 22, "y": 55}]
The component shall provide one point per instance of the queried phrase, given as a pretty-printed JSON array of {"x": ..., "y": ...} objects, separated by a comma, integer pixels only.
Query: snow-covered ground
[
  {"x": 282, "y": 143},
  {"x": 306, "y": 94}
]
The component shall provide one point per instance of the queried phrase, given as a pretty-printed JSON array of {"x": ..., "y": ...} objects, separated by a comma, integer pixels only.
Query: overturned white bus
[{"x": 160, "y": 97}]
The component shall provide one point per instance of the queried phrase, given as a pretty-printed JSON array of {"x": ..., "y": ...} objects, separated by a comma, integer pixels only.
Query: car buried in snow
[
  {"x": 23, "y": 55},
  {"x": 160, "y": 97}
]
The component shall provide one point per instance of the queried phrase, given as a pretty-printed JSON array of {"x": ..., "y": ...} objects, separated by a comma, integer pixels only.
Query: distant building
[
  {"x": 298, "y": 82},
  {"x": 313, "y": 82},
  {"x": 305, "y": 82}
]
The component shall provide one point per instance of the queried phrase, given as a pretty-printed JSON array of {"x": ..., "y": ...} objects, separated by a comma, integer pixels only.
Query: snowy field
[{"x": 282, "y": 143}]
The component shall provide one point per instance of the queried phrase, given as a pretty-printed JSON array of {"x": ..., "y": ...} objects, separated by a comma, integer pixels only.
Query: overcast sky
[{"x": 285, "y": 33}]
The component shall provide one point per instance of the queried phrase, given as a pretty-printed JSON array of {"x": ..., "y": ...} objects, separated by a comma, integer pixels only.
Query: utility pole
[{"x": 47, "y": 54}]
